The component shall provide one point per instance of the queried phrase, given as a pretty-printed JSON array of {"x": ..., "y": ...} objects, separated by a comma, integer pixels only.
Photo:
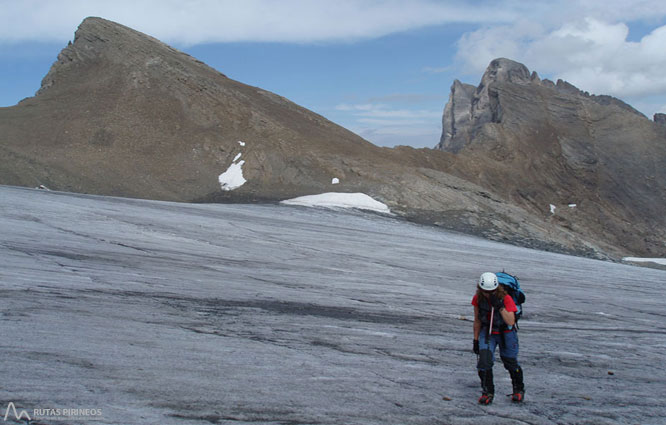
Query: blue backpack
[{"x": 512, "y": 287}]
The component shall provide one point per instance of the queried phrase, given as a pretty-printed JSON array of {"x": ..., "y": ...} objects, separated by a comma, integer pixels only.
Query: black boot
[
  {"x": 487, "y": 386},
  {"x": 518, "y": 386}
]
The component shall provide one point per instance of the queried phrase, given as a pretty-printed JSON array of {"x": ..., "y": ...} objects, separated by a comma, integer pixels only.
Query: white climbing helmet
[{"x": 488, "y": 281}]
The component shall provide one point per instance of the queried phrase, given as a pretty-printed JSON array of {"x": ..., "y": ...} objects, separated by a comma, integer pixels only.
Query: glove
[
  {"x": 496, "y": 302},
  {"x": 476, "y": 346}
]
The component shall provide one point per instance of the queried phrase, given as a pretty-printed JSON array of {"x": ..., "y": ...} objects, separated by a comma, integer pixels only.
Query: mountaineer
[{"x": 494, "y": 324}]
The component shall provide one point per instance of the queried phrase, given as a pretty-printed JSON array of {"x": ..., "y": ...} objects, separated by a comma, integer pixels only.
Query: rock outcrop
[
  {"x": 457, "y": 117},
  {"x": 121, "y": 113},
  {"x": 537, "y": 143}
]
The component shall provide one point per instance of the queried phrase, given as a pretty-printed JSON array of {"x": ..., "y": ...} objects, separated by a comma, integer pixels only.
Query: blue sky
[{"x": 381, "y": 68}]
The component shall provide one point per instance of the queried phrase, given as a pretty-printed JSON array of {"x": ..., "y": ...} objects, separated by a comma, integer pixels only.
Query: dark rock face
[
  {"x": 660, "y": 118},
  {"x": 457, "y": 117},
  {"x": 471, "y": 107},
  {"x": 539, "y": 143}
]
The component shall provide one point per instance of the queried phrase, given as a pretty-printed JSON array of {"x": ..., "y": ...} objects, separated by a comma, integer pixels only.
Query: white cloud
[
  {"x": 392, "y": 123},
  {"x": 591, "y": 54},
  {"x": 407, "y": 98},
  {"x": 358, "y": 107},
  {"x": 304, "y": 21},
  {"x": 422, "y": 136},
  {"x": 387, "y": 126},
  {"x": 437, "y": 70},
  {"x": 381, "y": 110},
  {"x": 616, "y": 10},
  {"x": 405, "y": 132},
  {"x": 193, "y": 22},
  {"x": 476, "y": 49},
  {"x": 648, "y": 104},
  {"x": 401, "y": 113}
]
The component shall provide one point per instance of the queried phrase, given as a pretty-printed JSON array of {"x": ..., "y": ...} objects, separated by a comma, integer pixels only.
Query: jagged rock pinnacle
[
  {"x": 536, "y": 142},
  {"x": 503, "y": 69}
]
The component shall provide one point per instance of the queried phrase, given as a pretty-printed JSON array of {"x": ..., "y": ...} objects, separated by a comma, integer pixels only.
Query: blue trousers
[{"x": 508, "y": 344}]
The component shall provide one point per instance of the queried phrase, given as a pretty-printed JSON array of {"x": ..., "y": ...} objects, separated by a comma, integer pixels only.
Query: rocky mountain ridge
[
  {"x": 468, "y": 103},
  {"x": 540, "y": 144},
  {"x": 121, "y": 113}
]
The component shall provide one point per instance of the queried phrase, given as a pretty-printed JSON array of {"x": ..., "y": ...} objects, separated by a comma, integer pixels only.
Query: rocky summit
[
  {"x": 121, "y": 113},
  {"x": 594, "y": 164}
]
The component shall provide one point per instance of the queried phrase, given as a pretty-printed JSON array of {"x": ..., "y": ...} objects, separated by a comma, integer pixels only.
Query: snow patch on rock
[
  {"x": 233, "y": 177},
  {"x": 359, "y": 201},
  {"x": 661, "y": 261}
]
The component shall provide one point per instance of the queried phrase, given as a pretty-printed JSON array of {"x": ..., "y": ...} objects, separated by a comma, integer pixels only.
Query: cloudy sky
[{"x": 381, "y": 68}]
